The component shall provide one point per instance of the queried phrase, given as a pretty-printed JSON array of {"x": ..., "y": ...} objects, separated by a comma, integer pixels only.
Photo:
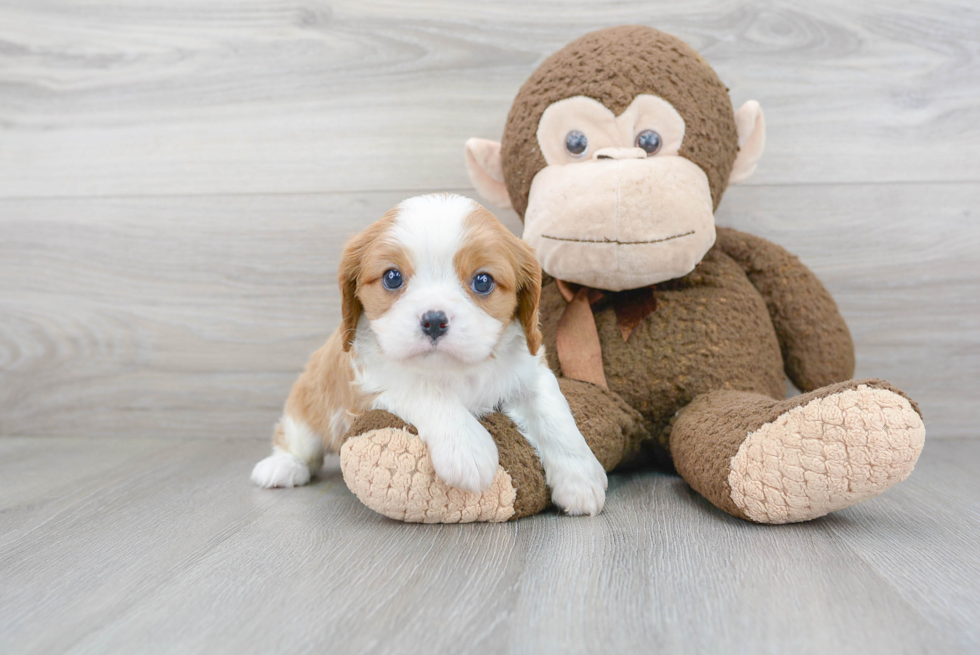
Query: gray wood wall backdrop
[{"x": 177, "y": 178}]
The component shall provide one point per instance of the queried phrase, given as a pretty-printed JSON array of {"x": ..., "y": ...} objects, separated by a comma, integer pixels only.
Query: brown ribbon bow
[{"x": 579, "y": 350}]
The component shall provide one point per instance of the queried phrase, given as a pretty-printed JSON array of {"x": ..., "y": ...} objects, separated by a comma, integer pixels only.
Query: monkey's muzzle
[{"x": 620, "y": 223}]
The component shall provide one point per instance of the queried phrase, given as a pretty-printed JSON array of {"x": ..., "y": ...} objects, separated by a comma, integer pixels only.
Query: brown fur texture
[
  {"x": 519, "y": 459},
  {"x": 613, "y": 429},
  {"x": 814, "y": 339},
  {"x": 714, "y": 329},
  {"x": 711, "y": 330},
  {"x": 613, "y": 66}
]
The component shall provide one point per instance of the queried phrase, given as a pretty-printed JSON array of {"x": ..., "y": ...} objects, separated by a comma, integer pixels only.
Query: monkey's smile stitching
[{"x": 618, "y": 243}]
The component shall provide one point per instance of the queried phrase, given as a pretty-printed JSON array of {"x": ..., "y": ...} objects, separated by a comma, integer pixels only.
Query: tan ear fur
[
  {"x": 751, "y": 126},
  {"x": 528, "y": 294},
  {"x": 486, "y": 171},
  {"x": 349, "y": 271}
]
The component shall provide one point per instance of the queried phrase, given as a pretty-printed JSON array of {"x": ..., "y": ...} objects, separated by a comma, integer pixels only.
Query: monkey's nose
[
  {"x": 434, "y": 324},
  {"x": 620, "y": 153}
]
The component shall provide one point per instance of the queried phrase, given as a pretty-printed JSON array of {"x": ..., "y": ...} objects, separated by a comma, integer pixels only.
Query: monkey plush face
[
  {"x": 616, "y": 153},
  {"x": 616, "y": 207}
]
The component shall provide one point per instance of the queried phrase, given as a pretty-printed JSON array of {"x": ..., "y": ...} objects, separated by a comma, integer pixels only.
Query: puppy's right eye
[
  {"x": 392, "y": 279},
  {"x": 482, "y": 283}
]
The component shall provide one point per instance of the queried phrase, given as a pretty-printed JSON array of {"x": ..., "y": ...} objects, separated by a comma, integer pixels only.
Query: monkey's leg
[
  {"x": 388, "y": 468},
  {"x": 798, "y": 459}
]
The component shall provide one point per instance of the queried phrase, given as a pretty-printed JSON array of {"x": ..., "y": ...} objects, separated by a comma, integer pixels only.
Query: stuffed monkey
[{"x": 671, "y": 337}]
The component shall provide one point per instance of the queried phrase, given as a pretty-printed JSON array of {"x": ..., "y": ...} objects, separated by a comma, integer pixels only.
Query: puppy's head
[{"x": 439, "y": 277}]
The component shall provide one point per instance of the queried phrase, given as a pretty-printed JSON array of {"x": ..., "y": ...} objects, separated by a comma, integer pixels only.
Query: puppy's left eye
[
  {"x": 482, "y": 283},
  {"x": 392, "y": 279}
]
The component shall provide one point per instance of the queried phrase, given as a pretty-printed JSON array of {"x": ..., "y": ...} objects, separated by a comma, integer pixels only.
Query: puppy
[{"x": 440, "y": 327}]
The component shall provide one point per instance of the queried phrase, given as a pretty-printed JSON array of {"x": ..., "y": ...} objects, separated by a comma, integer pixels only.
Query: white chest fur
[{"x": 408, "y": 389}]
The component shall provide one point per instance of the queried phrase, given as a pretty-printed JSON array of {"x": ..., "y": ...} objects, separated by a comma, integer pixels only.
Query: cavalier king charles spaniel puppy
[{"x": 440, "y": 328}]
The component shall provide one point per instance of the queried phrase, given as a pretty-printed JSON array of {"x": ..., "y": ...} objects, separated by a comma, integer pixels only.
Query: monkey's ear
[
  {"x": 751, "y": 127},
  {"x": 486, "y": 171}
]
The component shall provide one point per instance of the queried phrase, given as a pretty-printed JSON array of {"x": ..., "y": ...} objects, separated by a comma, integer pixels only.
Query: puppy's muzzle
[{"x": 434, "y": 324}]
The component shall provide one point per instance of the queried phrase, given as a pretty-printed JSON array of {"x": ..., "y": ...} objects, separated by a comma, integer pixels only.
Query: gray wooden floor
[
  {"x": 161, "y": 546},
  {"x": 176, "y": 181}
]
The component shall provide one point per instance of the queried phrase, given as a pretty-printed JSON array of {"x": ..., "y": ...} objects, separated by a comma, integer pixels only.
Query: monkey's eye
[
  {"x": 649, "y": 141},
  {"x": 392, "y": 279},
  {"x": 576, "y": 143},
  {"x": 482, "y": 283}
]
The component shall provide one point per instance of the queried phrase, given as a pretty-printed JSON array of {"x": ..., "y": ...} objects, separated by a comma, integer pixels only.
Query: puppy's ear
[
  {"x": 348, "y": 273},
  {"x": 528, "y": 294}
]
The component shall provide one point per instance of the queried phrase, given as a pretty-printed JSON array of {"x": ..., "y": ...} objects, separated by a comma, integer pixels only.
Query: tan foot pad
[
  {"x": 389, "y": 470},
  {"x": 826, "y": 455}
]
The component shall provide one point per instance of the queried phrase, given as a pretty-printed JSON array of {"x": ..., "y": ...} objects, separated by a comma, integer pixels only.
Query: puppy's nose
[{"x": 434, "y": 324}]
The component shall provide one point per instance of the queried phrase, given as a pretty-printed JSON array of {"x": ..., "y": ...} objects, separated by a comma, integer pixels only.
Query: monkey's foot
[
  {"x": 389, "y": 470},
  {"x": 826, "y": 454}
]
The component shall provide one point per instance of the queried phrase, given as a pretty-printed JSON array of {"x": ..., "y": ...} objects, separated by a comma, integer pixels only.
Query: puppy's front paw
[
  {"x": 281, "y": 470},
  {"x": 578, "y": 486},
  {"x": 469, "y": 463}
]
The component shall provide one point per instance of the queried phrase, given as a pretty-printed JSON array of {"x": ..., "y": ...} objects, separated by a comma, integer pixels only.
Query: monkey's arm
[{"x": 816, "y": 344}]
